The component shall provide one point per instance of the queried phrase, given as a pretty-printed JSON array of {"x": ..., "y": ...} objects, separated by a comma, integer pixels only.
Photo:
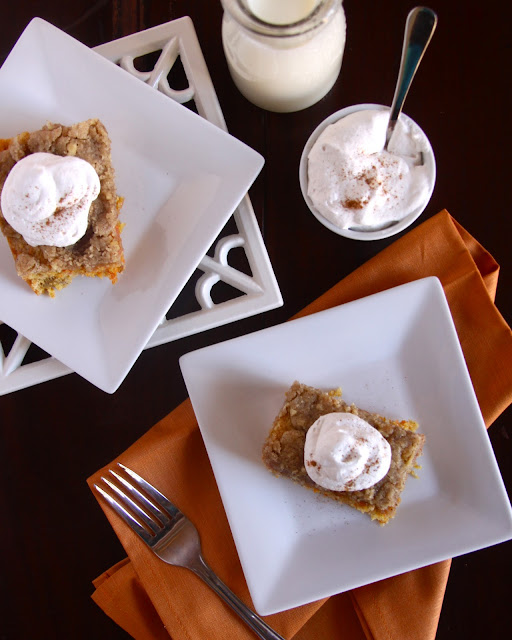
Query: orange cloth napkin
[{"x": 152, "y": 600}]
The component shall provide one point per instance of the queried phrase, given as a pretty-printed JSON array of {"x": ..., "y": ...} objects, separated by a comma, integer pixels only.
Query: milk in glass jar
[{"x": 284, "y": 55}]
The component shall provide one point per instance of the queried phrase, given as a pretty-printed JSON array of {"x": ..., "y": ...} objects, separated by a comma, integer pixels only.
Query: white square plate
[
  {"x": 181, "y": 178},
  {"x": 396, "y": 353}
]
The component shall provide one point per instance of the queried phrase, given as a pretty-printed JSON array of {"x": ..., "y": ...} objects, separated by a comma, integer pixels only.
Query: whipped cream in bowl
[{"x": 356, "y": 188}]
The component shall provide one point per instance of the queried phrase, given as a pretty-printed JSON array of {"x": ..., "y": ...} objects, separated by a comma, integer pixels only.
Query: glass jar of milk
[{"x": 284, "y": 55}]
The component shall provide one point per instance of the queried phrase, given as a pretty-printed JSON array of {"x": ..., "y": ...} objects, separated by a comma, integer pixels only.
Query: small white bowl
[{"x": 370, "y": 233}]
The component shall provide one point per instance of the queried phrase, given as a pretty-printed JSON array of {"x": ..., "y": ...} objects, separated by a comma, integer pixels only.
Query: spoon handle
[{"x": 419, "y": 28}]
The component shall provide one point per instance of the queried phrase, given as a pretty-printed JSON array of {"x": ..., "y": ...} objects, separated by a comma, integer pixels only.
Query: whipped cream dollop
[
  {"x": 343, "y": 452},
  {"x": 353, "y": 182},
  {"x": 46, "y": 198}
]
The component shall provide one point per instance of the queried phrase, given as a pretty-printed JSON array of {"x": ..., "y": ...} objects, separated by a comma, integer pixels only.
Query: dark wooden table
[{"x": 55, "y": 539}]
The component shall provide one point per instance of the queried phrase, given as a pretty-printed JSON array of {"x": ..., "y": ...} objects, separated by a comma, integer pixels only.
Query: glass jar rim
[{"x": 241, "y": 12}]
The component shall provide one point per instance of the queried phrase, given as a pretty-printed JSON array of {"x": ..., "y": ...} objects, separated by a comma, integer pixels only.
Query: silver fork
[{"x": 171, "y": 536}]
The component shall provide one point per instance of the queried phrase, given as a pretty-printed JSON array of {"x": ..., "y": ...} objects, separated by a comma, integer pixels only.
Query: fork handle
[{"x": 260, "y": 628}]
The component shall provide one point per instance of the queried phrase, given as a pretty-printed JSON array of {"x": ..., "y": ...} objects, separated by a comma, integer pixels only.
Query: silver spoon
[{"x": 419, "y": 28}]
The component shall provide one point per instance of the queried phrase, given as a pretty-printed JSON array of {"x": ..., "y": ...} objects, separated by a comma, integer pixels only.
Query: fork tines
[{"x": 139, "y": 504}]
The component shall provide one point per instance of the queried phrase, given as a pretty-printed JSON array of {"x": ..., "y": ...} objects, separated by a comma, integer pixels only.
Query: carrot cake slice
[
  {"x": 99, "y": 251},
  {"x": 284, "y": 449}
]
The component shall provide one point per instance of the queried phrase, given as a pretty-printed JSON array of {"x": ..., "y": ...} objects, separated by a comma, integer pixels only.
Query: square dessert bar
[
  {"x": 283, "y": 450},
  {"x": 99, "y": 252}
]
